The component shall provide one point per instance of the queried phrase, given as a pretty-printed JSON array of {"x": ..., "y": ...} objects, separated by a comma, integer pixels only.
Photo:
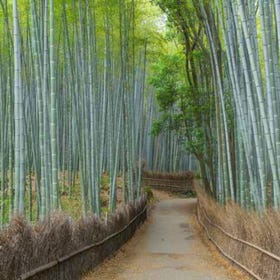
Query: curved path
[{"x": 169, "y": 246}]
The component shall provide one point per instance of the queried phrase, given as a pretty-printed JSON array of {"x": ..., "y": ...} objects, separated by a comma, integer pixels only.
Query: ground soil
[{"x": 170, "y": 245}]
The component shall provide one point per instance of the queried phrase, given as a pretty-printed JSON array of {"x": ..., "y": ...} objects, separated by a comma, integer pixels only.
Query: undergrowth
[
  {"x": 24, "y": 247},
  {"x": 149, "y": 192},
  {"x": 262, "y": 230},
  {"x": 70, "y": 200}
]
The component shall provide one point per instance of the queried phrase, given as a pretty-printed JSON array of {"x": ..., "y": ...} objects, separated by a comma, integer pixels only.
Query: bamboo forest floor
[{"x": 171, "y": 245}]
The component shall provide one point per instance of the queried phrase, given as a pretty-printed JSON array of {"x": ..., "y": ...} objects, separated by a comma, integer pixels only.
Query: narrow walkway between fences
[{"x": 171, "y": 246}]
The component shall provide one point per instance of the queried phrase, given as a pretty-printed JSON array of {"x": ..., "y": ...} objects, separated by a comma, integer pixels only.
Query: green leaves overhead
[
  {"x": 178, "y": 102},
  {"x": 167, "y": 80}
]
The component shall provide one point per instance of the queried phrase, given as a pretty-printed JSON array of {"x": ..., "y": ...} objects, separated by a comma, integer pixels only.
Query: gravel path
[{"x": 170, "y": 246}]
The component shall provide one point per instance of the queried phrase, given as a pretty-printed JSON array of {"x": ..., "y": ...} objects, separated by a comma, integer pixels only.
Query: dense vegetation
[
  {"x": 224, "y": 101},
  {"x": 75, "y": 109}
]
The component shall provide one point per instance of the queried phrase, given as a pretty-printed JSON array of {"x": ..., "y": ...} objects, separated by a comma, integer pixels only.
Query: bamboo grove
[
  {"x": 90, "y": 88},
  {"x": 231, "y": 77},
  {"x": 74, "y": 105}
]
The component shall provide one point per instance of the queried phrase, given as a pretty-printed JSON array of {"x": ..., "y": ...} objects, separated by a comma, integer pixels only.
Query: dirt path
[{"x": 170, "y": 245}]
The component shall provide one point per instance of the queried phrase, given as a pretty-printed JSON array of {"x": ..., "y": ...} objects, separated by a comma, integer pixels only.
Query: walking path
[{"x": 170, "y": 246}]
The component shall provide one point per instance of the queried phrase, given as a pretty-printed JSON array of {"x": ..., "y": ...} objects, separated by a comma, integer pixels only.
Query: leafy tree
[{"x": 181, "y": 106}]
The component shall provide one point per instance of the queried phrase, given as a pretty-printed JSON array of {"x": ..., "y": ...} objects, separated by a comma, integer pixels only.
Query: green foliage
[
  {"x": 149, "y": 193},
  {"x": 157, "y": 127},
  {"x": 197, "y": 175},
  {"x": 105, "y": 182},
  {"x": 190, "y": 194},
  {"x": 167, "y": 80},
  {"x": 181, "y": 105}
]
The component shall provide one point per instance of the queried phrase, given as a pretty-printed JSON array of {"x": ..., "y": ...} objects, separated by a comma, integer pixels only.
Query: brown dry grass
[
  {"x": 263, "y": 231},
  {"x": 24, "y": 247},
  {"x": 186, "y": 175}
]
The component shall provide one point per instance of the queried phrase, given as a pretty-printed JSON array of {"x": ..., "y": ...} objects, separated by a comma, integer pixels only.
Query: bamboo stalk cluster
[
  {"x": 75, "y": 110},
  {"x": 232, "y": 67},
  {"x": 164, "y": 152},
  {"x": 73, "y": 104},
  {"x": 249, "y": 34}
]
